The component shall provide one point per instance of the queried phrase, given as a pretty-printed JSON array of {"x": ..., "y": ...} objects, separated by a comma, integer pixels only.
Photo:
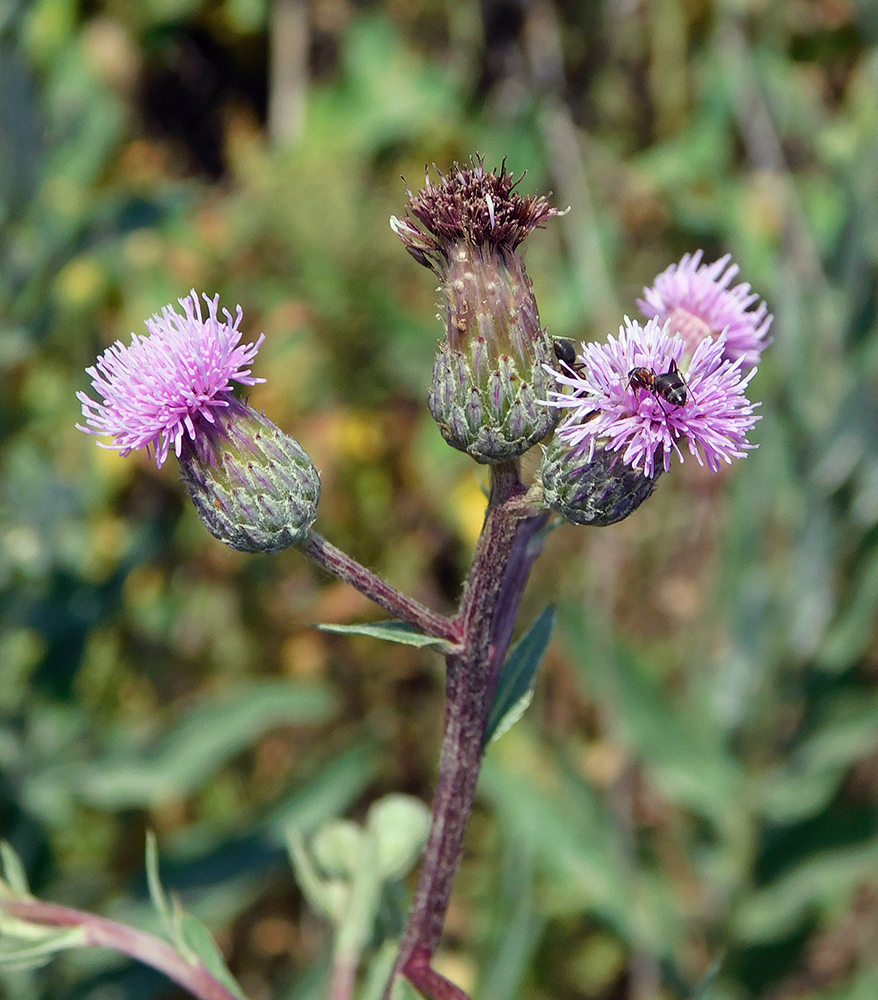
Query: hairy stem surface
[
  {"x": 371, "y": 585},
  {"x": 504, "y": 556}
]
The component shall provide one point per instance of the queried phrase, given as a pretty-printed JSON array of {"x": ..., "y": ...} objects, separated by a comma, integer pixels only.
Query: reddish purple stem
[
  {"x": 507, "y": 549},
  {"x": 427, "y": 981},
  {"x": 146, "y": 948},
  {"x": 371, "y": 585}
]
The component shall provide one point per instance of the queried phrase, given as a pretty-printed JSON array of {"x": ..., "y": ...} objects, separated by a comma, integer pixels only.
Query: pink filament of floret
[{"x": 154, "y": 389}]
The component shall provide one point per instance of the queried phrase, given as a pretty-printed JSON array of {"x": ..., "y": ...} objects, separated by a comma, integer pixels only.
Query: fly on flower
[
  {"x": 670, "y": 387},
  {"x": 608, "y": 409},
  {"x": 565, "y": 352}
]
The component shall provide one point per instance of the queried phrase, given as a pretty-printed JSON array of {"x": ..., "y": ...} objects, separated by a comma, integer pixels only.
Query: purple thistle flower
[
  {"x": 607, "y": 411},
  {"x": 159, "y": 388},
  {"x": 696, "y": 300}
]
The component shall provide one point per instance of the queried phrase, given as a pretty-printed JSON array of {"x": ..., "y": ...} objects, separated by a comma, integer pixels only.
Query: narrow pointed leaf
[
  {"x": 185, "y": 757},
  {"x": 515, "y": 689},
  {"x": 153, "y": 881},
  {"x": 13, "y": 871},
  {"x": 18, "y": 952},
  {"x": 199, "y": 939},
  {"x": 391, "y": 631}
]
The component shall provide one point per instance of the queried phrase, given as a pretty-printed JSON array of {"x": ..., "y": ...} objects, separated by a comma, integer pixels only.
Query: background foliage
[{"x": 691, "y": 804}]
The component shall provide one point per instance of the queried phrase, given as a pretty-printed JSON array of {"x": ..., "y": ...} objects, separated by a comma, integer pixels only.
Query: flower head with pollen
[
  {"x": 489, "y": 375},
  {"x": 610, "y": 409},
  {"x": 697, "y": 302},
  {"x": 253, "y": 486},
  {"x": 157, "y": 389}
]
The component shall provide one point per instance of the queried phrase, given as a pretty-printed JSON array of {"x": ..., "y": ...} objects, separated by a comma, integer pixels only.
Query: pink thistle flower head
[
  {"x": 697, "y": 302},
  {"x": 159, "y": 389},
  {"x": 610, "y": 408},
  {"x": 253, "y": 486}
]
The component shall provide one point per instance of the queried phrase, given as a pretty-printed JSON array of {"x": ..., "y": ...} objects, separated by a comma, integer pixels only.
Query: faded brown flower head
[
  {"x": 489, "y": 375},
  {"x": 471, "y": 206}
]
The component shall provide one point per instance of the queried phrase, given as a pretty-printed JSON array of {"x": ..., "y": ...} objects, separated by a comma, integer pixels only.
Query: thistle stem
[
  {"x": 146, "y": 948},
  {"x": 427, "y": 981},
  {"x": 344, "y": 974},
  {"x": 371, "y": 585},
  {"x": 492, "y": 596}
]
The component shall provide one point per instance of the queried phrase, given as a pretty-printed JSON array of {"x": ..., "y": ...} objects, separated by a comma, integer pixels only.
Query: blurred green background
[{"x": 690, "y": 807}]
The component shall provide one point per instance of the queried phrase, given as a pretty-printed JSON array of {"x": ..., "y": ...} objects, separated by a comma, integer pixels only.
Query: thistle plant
[{"x": 609, "y": 418}]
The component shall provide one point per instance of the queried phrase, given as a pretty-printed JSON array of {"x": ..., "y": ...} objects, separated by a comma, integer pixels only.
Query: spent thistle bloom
[
  {"x": 611, "y": 410},
  {"x": 252, "y": 485},
  {"x": 489, "y": 377},
  {"x": 697, "y": 302}
]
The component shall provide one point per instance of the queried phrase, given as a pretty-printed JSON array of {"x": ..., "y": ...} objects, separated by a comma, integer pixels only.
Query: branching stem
[
  {"x": 504, "y": 556},
  {"x": 371, "y": 585}
]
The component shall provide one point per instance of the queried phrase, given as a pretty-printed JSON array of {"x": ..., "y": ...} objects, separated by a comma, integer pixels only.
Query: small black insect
[
  {"x": 670, "y": 387},
  {"x": 565, "y": 352}
]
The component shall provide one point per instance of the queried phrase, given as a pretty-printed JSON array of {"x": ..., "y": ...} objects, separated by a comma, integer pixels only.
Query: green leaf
[
  {"x": 378, "y": 972},
  {"x": 330, "y": 793},
  {"x": 391, "y": 630},
  {"x": 704, "y": 989},
  {"x": 515, "y": 688},
  {"x": 26, "y": 946},
  {"x": 200, "y": 941},
  {"x": 803, "y": 784},
  {"x": 517, "y": 926},
  {"x": 571, "y": 834},
  {"x": 14, "y": 874},
  {"x": 581, "y": 852},
  {"x": 850, "y": 634},
  {"x": 787, "y": 794},
  {"x": 863, "y": 985},
  {"x": 846, "y": 733},
  {"x": 827, "y": 882},
  {"x": 686, "y": 758},
  {"x": 188, "y": 934},
  {"x": 153, "y": 880},
  {"x": 211, "y": 734}
]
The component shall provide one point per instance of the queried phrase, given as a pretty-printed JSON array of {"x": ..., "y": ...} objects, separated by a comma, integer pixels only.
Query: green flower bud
[
  {"x": 253, "y": 486},
  {"x": 598, "y": 491},
  {"x": 493, "y": 414}
]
